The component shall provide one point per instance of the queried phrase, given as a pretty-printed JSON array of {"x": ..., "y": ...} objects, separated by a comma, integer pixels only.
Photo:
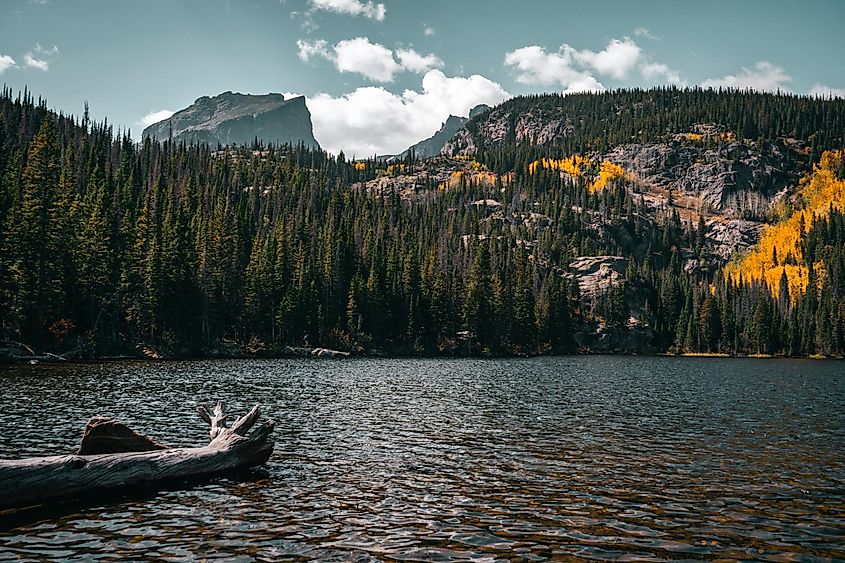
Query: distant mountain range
[
  {"x": 232, "y": 118},
  {"x": 238, "y": 119}
]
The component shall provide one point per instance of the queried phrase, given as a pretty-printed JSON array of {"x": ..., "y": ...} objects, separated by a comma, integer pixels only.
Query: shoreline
[{"x": 328, "y": 354}]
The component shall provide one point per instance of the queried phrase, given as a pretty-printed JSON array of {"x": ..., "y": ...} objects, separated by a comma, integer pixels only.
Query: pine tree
[{"x": 35, "y": 240}]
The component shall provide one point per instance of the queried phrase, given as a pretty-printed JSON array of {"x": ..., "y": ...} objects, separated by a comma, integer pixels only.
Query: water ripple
[{"x": 600, "y": 458}]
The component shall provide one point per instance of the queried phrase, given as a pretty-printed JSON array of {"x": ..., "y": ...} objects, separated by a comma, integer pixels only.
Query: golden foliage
[
  {"x": 360, "y": 165},
  {"x": 480, "y": 178},
  {"x": 454, "y": 180},
  {"x": 725, "y": 137},
  {"x": 577, "y": 165},
  {"x": 484, "y": 178},
  {"x": 608, "y": 171},
  {"x": 572, "y": 165},
  {"x": 473, "y": 164},
  {"x": 778, "y": 251}
]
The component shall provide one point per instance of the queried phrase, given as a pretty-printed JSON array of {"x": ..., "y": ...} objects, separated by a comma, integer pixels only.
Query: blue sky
[{"x": 380, "y": 76}]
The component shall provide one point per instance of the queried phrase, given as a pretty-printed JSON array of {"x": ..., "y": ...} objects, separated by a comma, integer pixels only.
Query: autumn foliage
[
  {"x": 608, "y": 171},
  {"x": 577, "y": 166},
  {"x": 778, "y": 252},
  {"x": 572, "y": 165}
]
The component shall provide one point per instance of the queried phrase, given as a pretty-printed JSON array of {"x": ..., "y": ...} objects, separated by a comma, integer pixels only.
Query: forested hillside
[
  {"x": 111, "y": 247},
  {"x": 564, "y": 124}
]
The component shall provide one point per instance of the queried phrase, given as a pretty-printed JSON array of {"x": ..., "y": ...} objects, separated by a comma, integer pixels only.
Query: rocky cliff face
[
  {"x": 504, "y": 125},
  {"x": 736, "y": 177},
  {"x": 238, "y": 119},
  {"x": 729, "y": 177}
]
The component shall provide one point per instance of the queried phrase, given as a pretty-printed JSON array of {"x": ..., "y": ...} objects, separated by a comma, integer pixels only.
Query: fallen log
[
  {"x": 326, "y": 353},
  {"x": 111, "y": 455}
]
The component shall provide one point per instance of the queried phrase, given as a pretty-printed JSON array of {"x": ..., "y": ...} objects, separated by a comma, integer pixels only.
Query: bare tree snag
[
  {"x": 112, "y": 455},
  {"x": 216, "y": 419}
]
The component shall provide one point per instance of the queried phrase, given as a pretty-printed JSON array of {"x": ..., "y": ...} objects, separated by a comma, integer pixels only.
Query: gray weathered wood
[
  {"x": 216, "y": 418},
  {"x": 34, "y": 480}
]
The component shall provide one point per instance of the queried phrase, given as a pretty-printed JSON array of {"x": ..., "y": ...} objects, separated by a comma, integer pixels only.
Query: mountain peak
[
  {"x": 232, "y": 118},
  {"x": 478, "y": 110}
]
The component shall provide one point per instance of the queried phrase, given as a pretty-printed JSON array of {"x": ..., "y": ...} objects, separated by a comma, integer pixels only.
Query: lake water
[{"x": 427, "y": 459}]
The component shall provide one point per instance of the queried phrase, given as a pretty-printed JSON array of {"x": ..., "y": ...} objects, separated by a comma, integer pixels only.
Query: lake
[{"x": 603, "y": 457}]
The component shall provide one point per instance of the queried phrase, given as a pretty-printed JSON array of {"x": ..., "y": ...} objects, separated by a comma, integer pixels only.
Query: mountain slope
[
  {"x": 599, "y": 244},
  {"x": 238, "y": 119},
  {"x": 597, "y": 122}
]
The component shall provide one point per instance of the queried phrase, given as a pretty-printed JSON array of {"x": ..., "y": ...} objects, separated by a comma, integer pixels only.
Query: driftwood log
[{"x": 111, "y": 455}]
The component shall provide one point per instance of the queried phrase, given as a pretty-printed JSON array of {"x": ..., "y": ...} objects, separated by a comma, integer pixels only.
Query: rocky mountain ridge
[
  {"x": 239, "y": 119},
  {"x": 717, "y": 184}
]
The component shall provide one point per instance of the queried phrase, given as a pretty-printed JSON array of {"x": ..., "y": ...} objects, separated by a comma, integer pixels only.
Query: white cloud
[
  {"x": 54, "y": 50},
  {"x": 311, "y": 49},
  {"x": 372, "y": 60},
  {"x": 652, "y": 71},
  {"x": 428, "y": 30},
  {"x": 575, "y": 70},
  {"x": 155, "y": 117},
  {"x": 308, "y": 23},
  {"x": 572, "y": 69},
  {"x": 535, "y": 66},
  {"x": 615, "y": 60},
  {"x": 764, "y": 77},
  {"x": 6, "y": 62},
  {"x": 413, "y": 61},
  {"x": 822, "y": 91},
  {"x": 370, "y": 120},
  {"x": 645, "y": 32},
  {"x": 44, "y": 57},
  {"x": 32, "y": 62},
  {"x": 367, "y": 9}
]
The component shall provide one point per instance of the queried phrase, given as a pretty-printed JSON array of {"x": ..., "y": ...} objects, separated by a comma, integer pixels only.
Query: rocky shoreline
[{"x": 15, "y": 353}]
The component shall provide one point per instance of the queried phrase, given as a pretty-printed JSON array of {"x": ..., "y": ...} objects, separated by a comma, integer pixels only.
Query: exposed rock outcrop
[
  {"x": 722, "y": 176},
  {"x": 432, "y": 173},
  {"x": 239, "y": 119},
  {"x": 731, "y": 237},
  {"x": 504, "y": 125},
  {"x": 597, "y": 274}
]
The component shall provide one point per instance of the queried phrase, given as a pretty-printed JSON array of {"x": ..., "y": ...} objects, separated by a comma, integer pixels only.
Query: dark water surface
[{"x": 547, "y": 458}]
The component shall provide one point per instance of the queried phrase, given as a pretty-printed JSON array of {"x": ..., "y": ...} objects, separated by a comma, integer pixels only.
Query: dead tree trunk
[{"x": 111, "y": 455}]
